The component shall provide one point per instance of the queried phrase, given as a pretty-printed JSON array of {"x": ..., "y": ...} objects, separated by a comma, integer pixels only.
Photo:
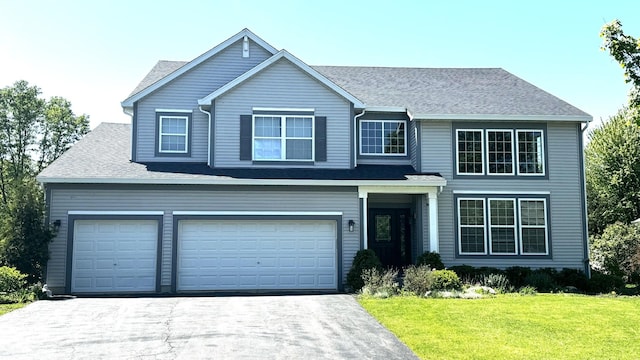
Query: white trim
[
  {"x": 124, "y": 212},
  {"x": 175, "y": 111},
  {"x": 434, "y": 239},
  {"x": 260, "y": 213},
  {"x": 503, "y": 117},
  {"x": 513, "y": 152},
  {"x": 186, "y": 134},
  {"x": 482, "y": 150},
  {"x": 364, "y": 190},
  {"x": 542, "y": 153},
  {"x": 395, "y": 109},
  {"x": 501, "y": 192},
  {"x": 546, "y": 225},
  {"x": 281, "y": 54},
  {"x": 195, "y": 62},
  {"x": 513, "y": 227},
  {"x": 406, "y": 129},
  {"x": 282, "y": 109},
  {"x": 484, "y": 226},
  {"x": 283, "y": 137}
]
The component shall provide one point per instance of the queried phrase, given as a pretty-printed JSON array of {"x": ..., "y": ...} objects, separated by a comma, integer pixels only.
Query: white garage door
[
  {"x": 247, "y": 254},
  {"x": 114, "y": 256}
]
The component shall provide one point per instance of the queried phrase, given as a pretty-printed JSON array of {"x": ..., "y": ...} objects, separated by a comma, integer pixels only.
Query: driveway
[{"x": 249, "y": 327}]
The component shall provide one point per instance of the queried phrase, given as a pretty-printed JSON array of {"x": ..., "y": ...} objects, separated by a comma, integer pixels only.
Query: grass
[
  {"x": 545, "y": 326},
  {"x": 5, "y": 308}
]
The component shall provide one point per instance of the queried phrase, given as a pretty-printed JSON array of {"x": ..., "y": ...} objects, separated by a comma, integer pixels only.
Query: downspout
[
  {"x": 587, "y": 266},
  {"x": 208, "y": 134},
  {"x": 130, "y": 113},
  {"x": 355, "y": 135}
]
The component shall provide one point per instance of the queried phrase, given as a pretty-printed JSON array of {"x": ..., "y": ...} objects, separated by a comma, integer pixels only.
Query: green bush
[
  {"x": 527, "y": 290},
  {"x": 381, "y": 284},
  {"x": 431, "y": 259},
  {"x": 417, "y": 280},
  {"x": 465, "y": 272},
  {"x": 604, "y": 283},
  {"x": 617, "y": 251},
  {"x": 517, "y": 275},
  {"x": 445, "y": 280},
  {"x": 499, "y": 282},
  {"x": 542, "y": 280},
  {"x": 364, "y": 259},
  {"x": 11, "y": 280},
  {"x": 572, "y": 277}
]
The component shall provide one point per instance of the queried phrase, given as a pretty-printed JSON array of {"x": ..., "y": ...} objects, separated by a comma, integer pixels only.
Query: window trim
[
  {"x": 514, "y": 226},
  {"x": 482, "y": 150},
  {"x": 484, "y": 225},
  {"x": 513, "y": 152},
  {"x": 283, "y": 137},
  {"x": 542, "y": 154},
  {"x": 180, "y": 114},
  {"x": 361, "y": 153},
  {"x": 546, "y": 225}
]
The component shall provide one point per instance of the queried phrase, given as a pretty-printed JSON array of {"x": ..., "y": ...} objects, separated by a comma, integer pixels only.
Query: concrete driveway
[{"x": 249, "y": 327}]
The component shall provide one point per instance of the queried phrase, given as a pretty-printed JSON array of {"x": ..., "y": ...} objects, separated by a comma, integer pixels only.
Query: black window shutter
[
  {"x": 321, "y": 138},
  {"x": 245, "y": 137}
]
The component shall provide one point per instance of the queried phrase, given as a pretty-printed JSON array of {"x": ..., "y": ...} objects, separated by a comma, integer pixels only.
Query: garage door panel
[{"x": 243, "y": 254}]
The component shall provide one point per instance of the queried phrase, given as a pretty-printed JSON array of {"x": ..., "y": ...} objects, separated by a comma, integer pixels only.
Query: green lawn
[
  {"x": 545, "y": 326},
  {"x": 5, "y": 308}
]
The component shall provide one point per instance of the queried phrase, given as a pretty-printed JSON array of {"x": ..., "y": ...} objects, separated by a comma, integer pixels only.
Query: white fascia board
[
  {"x": 82, "y": 212},
  {"x": 281, "y": 54},
  {"x": 393, "y": 109},
  {"x": 195, "y": 62},
  {"x": 436, "y": 181},
  {"x": 259, "y": 213},
  {"x": 501, "y": 192},
  {"x": 500, "y": 117}
]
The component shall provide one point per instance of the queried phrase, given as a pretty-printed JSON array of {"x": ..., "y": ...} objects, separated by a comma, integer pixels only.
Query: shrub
[
  {"x": 617, "y": 251},
  {"x": 378, "y": 283},
  {"x": 445, "y": 280},
  {"x": 11, "y": 280},
  {"x": 541, "y": 280},
  {"x": 498, "y": 282},
  {"x": 527, "y": 290},
  {"x": 604, "y": 283},
  {"x": 465, "y": 272},
  {"x": 417, "y": 280},
  {"x": 431, "y": 259},
  {"x": 364, "y": 259},
  {"x": 572, "y": 277},
  {"x": 517, "y": 275}
]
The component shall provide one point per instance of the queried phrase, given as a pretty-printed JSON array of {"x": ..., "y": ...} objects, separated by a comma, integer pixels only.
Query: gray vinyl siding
[
  {"x": 193, "y": 198},
  {"x": 563, "y": 185},
  {"x": 282, "y": 85},
  {"x": 183, "y": 93}
]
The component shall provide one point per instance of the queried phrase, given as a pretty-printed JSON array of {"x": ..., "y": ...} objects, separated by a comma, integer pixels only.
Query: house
[{"x": 247, "y": 169}]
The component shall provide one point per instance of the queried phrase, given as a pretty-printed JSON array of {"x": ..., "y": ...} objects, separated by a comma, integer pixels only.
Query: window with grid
[
  {"x": 471, "y": 226},
  {"x": 382, "y": 137},
  {"x": 502, "y": 226},
  {"x": 173, "y": 134},
  {"x": 500, "y": 151},
  {"x": 533, "y": 226},
  {"x": 282, "y": 137},
  {"x": 470, "y": 151},
  {"x": 530, "y": 152}
]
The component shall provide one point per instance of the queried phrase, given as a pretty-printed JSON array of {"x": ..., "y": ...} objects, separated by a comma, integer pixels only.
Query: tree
[
  {"x": 613, "y": 172},
  {"x": 625, "y": 50},
  {"x": 617, "y": 251}
]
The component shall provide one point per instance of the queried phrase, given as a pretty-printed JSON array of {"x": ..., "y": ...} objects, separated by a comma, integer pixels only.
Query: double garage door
[{"x": 118, "y": 256}]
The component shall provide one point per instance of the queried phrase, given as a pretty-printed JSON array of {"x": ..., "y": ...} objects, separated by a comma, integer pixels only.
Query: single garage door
[
  {"x": 249, "y": 254},
  {"x": 114, "y": 256}
]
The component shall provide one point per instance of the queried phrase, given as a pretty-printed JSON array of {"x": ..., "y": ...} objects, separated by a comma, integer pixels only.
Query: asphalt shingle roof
[
  {"x": 104, "y": 154},
  {"x": 161, "y": 69}
]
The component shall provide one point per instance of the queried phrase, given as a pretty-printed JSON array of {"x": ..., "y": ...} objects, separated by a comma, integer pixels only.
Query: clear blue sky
[{"x": 95, "y": 52}]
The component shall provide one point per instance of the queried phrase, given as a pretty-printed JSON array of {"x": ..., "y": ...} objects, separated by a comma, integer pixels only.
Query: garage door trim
[
  {"x": 70, "y": 235},
  {"x": 177, "y": 218}
]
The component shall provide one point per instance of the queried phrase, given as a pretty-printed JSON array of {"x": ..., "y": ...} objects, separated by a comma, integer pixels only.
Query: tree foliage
[
  {"x": 613, "y": 172},
  {"x": 617, "y": 251},
  {"x": 625, "y": 49}
]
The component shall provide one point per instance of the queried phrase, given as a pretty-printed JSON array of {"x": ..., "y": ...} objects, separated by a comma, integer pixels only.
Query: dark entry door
[{"x": 389, "y": 236}]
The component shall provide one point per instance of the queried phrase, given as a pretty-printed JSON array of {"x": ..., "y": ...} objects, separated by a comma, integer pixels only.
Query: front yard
[
  {"x": 5, "y": 308},
  {"x": 545, "y": 326}
]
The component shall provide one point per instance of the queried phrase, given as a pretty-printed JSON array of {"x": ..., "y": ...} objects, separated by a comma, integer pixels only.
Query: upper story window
[
  {"x": 383, "y": 137},
  {"x": 173, "y": 132},
  {"x": 283, "y": 137},
  {"x": 500, "y": 152}
]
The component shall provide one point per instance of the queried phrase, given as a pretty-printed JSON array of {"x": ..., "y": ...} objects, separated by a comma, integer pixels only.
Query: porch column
[
  {"x": 363, "y": 195},
  {"x": 433, "y": 221}
]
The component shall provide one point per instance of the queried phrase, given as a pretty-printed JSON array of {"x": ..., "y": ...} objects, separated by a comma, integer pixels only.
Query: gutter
[
  {"x": 355, "y": 136},
  {"x": 583, "y": 184},
  {"x": 208, "y": 134}
]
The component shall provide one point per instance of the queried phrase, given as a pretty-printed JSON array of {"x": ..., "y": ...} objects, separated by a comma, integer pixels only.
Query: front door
[{"x": 389, "y": 236}]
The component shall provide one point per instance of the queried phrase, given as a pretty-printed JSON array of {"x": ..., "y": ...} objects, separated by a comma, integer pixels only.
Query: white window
[
  {"x": 533, "y": 227},
  {"x": 383, "y": 137},
  {"x": 471, "y": 227},
  {"x": 500, "y": 152},
  {"x": 283, "y": 137},
  {"x": 470, "y": 149},
  {"x": 502, "y": 226},
  {"x": 530, "y": 152},
  {"x": 173, "y": 134}
]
